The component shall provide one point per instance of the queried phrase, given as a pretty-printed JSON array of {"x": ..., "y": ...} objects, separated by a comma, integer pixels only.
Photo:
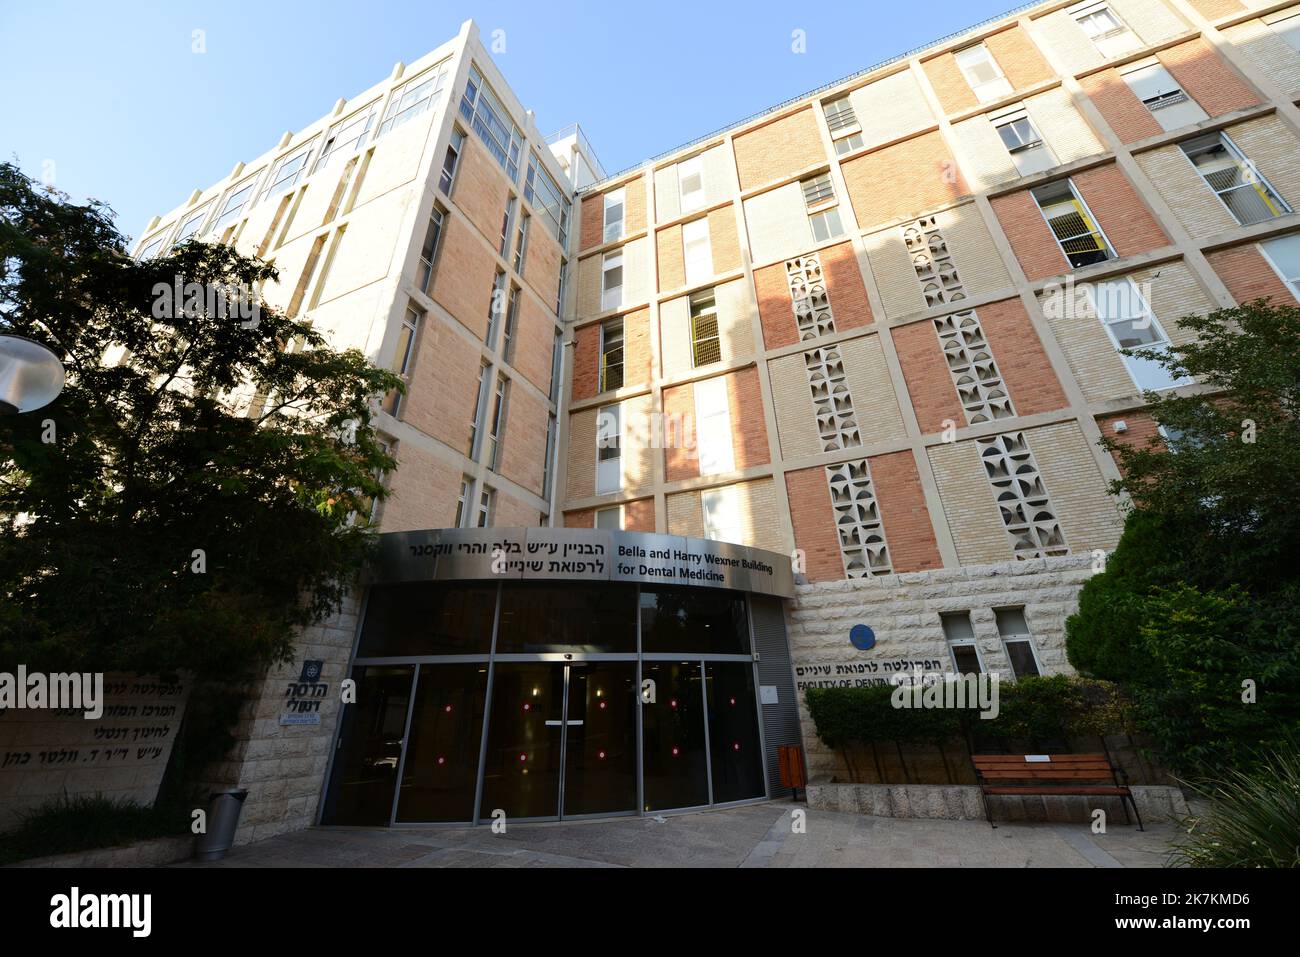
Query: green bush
[
  {"x": 1253, "y": 818},
  {"x": 85, "y": 822}
]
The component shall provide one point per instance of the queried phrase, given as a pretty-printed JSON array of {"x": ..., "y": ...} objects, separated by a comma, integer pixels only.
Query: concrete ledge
[
  {"x": 154, "y": 853},
  {"x": 961, "y": 802}
]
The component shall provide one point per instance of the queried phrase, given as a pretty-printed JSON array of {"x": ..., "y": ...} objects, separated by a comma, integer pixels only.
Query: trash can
[{"x": 223, "y": 818}]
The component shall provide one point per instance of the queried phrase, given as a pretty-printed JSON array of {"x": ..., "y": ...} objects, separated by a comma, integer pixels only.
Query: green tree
[{"x": 150, "y": 519}]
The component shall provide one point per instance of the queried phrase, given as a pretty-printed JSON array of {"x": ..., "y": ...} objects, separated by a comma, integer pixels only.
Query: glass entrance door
[
  {"x": 561, "y": 740},
  {"x": 364, "y": 779}
]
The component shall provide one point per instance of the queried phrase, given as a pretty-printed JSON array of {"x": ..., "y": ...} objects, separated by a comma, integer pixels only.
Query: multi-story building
[{"x": 877, "y": 328}]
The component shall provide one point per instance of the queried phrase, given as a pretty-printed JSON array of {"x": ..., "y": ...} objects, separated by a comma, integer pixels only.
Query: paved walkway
[{"x": 754, "y": 836}]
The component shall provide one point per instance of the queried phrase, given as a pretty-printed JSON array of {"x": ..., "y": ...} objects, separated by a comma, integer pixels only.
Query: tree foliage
[{"x": 151, "y": 519}]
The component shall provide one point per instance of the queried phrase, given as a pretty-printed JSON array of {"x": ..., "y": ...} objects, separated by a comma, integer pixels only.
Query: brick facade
[
  {"x": 778, "y": 149},
  {"x": 902, "y": 180},
  {"x": 1249, "y": 276}
]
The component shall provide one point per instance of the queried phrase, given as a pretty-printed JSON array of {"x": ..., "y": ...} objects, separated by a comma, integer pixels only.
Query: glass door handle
[{"x": 557, "y": 723}]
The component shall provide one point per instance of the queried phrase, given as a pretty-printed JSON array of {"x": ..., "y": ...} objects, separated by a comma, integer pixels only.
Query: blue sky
[{"x": 111, "y": 94}]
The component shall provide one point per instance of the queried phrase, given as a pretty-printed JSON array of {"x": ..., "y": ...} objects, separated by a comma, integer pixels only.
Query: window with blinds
[{"x": 1072, "y": 223}]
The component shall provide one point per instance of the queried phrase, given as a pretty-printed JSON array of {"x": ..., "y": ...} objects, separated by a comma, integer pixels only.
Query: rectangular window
[
  {"x": 561, "y": 284},
  {"x": 521, "y": 243},
  {"x": 403, "y": 355},
  {"x": 614, "y": 201},
  {"x": 547, "y": 463},
  {"x": 1073, "y": 225},
  {"x": 690, "y": 183},
  {"x": 982, "y": 72},
  {"x": 489, "y": 119},
  {"x": 347, "y": 136},
  {"x": 234, "y": 205},
  {"x": 496, "y": 306},
  {"x": 512, "y": 317},
  {"x": 706, "y": 345},
  {"x": 1160, "y": 93},
  {"x": 151, "y": 246},
  {"x": 609, "y": 453},
  {"x": 823, "y": 211},
  {"x": 1108, "y": 32},
  {"x": 1018, "y": 642},
  {"x": 1130, "y": 324},
  {"x": 557, "y": 366},
  {"x": 451, "y": 162},
  {"x": 190, "y": 227},
  {"x": 610, "y": 519},
  {"x": 960, "y": 635},
  {"x": 611, "y": 280},
  {"x": 497, "y": 432},
  {"x": 611, "y": 355},
  {"x": 696, "y": 251},
  {"x": 417, "y": 95},
  {"x": 480, "y": 402},
  {"x": 485, "y": 502},
  {"x": 720, "y": 508},
  {"x": 287, "y": 173},
  {"x": 429, "y": 250},
  {"x": 1234, "y": 179},
  {"x": 545, "y": 194},
  {"x": 713, "y": 427},
  {"x": 506, "y": 220},
  {"x": 1284, "y": 255},
  {"x": 463, "y": 500},
  {"x": 1023, "y": 141},
  {"x": 843, "y": 124}
]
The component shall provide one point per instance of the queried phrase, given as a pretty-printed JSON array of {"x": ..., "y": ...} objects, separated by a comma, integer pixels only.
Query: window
[
  {"x": 696, "y": 252},
  {"x": 1284, "y": 255},
  {"x": 512, "y": 316},
  {"x": 690, "y": 183},
  {"x": 287, "y": 173},
  {"x": 721, "y": 513},
  {"x": 429, "y": 250},
  {"x": 151, "y": 247},
  {"x": 614, "y": 201},
  {"x": 557, "y": 366},
  {"x": 545, "y": 194},
  {"x": 706, "y": 346},
  {"x": 1072, "y": 224},
  {"x": 550, "y": 455},
  {"x": 611, "y": 280},
  {"x": 1129, "y": 322},
  {"x": 1234, "y": 179},
  {"x": 506, "y": 220},
  {"x": 235, "y": 202},
  {"x": 496, "y": 306},
  {"x": 451, "y": 162},
  {"x": 497, "y": 433},
  {"x": 609, "y": 441},
  {"x": 485, "y": 501},
  {"x": 190, "y": 227},
  {"x": 960, "y": 635},
  {"x": 403, "y": 354},
  {"x": 843, "y": 124},
  {"x": 1161, "y": 94},
  {"x": 1023, "y": 141},
  {"x": 823, "y": 213},
  {"x": 480, "y": 401},
  {"x": 982, "y": 72},
  {"x": 561, "y": 284},
  {"x": 1108, "y": 32},
  {"x": 611, "y": 355},
  {"x": 346, "y": 136},
  {"x": 521, "y": 243},
  {"x": 1018, "y": 642},
  {"x": 1288, "y": 28},
  {"x": 610, "y": 519},
  {"x": 413, "y": 97},
  {"x": 463, "y": 500},
  {"x": 713, "y": 427},
  {"x": 489, "y": 119}
]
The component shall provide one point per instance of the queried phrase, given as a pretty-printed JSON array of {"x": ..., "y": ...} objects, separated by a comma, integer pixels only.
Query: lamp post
[{"x": 31, "y": 375}]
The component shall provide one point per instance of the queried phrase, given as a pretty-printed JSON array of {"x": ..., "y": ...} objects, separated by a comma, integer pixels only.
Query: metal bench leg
[
  {"x": 1138, "y": 813},
  {"x": 988, "y": 813},
  {"x": 1127, "y": 820}
]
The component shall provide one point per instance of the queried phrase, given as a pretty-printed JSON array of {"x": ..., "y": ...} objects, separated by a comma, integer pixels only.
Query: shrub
[{"x": 88, "y": 821}]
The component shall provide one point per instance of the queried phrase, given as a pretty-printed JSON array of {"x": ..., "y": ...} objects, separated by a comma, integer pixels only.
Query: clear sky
[{"x": 109, "y": 97}]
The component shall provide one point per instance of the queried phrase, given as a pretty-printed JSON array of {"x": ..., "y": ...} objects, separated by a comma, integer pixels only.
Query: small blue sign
[{"x": 862, "y": 637}]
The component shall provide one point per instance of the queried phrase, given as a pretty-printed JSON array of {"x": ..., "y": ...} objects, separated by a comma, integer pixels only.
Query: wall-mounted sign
[
  {"x": 302, "y": 698},
  {"x": 578, "y": 554},
  {"x": 862, "y": 637}
]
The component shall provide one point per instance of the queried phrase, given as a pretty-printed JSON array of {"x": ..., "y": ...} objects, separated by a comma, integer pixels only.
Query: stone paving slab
[{"x": 753, "y": 836}]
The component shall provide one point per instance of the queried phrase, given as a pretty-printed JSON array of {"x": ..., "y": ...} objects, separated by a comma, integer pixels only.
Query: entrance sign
[{"x": 578, "y": 554}]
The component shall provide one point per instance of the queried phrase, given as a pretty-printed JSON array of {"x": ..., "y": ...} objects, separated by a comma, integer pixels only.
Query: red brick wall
[
  {"x": 542, "y": 261},
  {"x": 748, "y": 428},
  {"x": 778, "y": 149},
  {"x": 462, "y": 283},
  {"x": 524, "y": 451},
  {"x": 949, "y": 84},
  {"x": 638, "y": 516},
  {"x": 444, "y": 385},
  {"x": 775, "y": 311},
  {"x": 847, "y": 294},
  {"x": 1141, "y": 429},
  {"x": 814, "y": 524},
  {"x": 1123, "y": 111},
  {"x": 1249, "y": 276},
  {"x": 681, "y": 461},
  {"x": 634, "y": 217},
  {"x": 900, "y": 180},
  {"x": 534, "y": 342},
  {"x": 586, "y": 361},
  {"x": 908, "y": 531},
  {"x": 480, "y": 189},
  {"x": 929, "y": 383},
  {"x": 636, "y": 348},
  {"x": 422, "y": 492},
  {"x": 1021, "y": 359},
  {"x": 1020, "y": 60},
  {"x": 1200, "y": 71},
  {"x": 593, "y": 222},
  {"x": 580, "y": 518}
]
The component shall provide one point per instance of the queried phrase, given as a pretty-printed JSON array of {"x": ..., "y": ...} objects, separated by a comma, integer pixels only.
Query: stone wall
[{"x": 903, "y": 611}]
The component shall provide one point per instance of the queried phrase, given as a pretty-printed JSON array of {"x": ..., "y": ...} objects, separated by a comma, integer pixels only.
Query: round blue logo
[{"x": 862, "y": 637}]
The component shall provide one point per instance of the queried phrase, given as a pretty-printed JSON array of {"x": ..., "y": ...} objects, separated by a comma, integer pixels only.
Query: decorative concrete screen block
[
  {"x": 833, "y": 405},
  {"x": 1022, "y": 497},
  {"x": 812, "y": 306},
  {"x": 933, "y": 263},
  {"x": 857, "y": 520},
  {"x": 974, "y": 372}
]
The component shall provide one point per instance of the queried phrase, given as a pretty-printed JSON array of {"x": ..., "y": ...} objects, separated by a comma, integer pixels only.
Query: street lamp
[{"x": 31, "y": 375}]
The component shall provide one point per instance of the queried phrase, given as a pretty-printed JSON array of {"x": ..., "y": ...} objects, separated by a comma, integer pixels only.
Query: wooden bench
[{"x": 1065, "y": 774}]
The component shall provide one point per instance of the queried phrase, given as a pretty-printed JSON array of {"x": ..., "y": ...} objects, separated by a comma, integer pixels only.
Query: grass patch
[{"x": 86, "y": 822}]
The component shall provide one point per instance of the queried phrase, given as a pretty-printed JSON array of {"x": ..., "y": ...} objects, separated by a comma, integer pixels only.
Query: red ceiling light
[
  {"x": 601, "y": 755},
  {"x": 523, "y": 758},
  {"x": 735, "y": 746},
  {"x": 528, "y": 706},
  {"x": 447, "y": 709},
  {"x": 676, "y": 751}
]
